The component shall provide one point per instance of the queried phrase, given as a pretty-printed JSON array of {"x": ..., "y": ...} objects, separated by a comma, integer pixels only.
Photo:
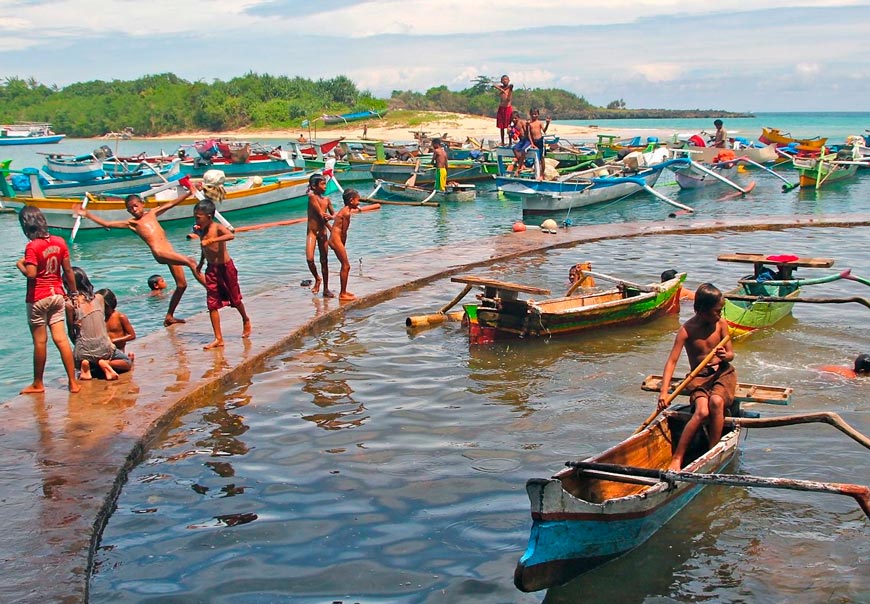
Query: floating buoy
[
  {"x": 519, "y": 227},
  {"x": 549, "y": 226}
]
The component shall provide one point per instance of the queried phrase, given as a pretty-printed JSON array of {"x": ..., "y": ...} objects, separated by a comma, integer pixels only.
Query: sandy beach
[{"x": 456, "y": 126}]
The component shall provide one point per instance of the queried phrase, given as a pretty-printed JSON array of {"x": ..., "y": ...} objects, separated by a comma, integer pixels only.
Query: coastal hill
[{"x": 165, "y": 105}]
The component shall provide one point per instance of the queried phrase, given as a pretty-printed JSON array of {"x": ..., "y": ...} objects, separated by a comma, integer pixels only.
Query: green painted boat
[
  {"x": 501, "y": 313},
  {"x": 771, "y": 278}
]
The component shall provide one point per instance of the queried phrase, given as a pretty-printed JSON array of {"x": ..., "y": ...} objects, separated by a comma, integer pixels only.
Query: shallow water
[
  {"x": 376, "y": 465},
  {"x": 275, "y": 257}
]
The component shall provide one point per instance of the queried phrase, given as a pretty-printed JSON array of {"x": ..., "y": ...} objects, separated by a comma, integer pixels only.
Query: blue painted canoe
[{"x": 581, "y": 519}]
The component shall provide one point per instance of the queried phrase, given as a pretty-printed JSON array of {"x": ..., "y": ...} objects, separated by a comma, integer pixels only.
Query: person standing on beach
[
  {"x": 505, "y": 108},
  {"x": 338, "y": 239},
  {"x": 720, "y": 139},
  {"x": 439, "y": 160},
  {"x": 145, "y": 224},
  {"x": 221, "y": 277},
  {"x": 320, "y": 212},
  {"x": 45, "y": 256}
]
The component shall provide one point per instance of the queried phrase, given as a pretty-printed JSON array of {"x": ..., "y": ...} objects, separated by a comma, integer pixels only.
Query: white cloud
[{"x": 658, "y": 72}]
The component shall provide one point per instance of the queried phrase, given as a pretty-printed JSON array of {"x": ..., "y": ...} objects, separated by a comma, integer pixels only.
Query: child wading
[{"x": 221, "y": 278}]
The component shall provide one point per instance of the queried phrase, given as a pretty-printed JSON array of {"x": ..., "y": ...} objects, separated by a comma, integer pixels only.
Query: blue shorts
[{"x": 521, "y": 146}]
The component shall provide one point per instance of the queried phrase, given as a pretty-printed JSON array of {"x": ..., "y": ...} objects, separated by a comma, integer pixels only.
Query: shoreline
[{"x": 457, "y": 126}]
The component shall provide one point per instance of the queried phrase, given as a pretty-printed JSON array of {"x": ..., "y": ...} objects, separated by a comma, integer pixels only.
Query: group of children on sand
[{"x": 98, "y": 331}]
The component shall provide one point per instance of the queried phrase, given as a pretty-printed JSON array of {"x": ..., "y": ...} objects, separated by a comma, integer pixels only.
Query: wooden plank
[
  {"x": 514, "y": 287},
  {"x": 765, "y": 259},
  {"x": 746, "y": 393}
]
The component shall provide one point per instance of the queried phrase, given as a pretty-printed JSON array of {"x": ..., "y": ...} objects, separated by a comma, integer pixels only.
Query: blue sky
[{"x": 774, "y": 56}]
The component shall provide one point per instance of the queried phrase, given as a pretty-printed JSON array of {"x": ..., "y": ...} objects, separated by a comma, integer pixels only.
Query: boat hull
[
  {"x": 543, "y": 196},
  {"x": 454, "y": 193},
  {"x": 572, "y": 314},
  {"x": 399, "y": 172},
  {"x": 59, "y": 211},
  {"x": 573, "y": 532},
  {"x": 745, "y": 317},
  {"x": 688, "y": 177},
  {"x": 136, "y": 181},
  {"x": 31, "y": 140}
]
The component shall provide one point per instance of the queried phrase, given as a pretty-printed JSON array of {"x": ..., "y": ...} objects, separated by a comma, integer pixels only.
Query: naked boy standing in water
[{"x": 320, "y": 212}]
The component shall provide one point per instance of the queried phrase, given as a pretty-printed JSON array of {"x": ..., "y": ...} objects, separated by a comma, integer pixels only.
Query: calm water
[{"x": 373, "y": 465}]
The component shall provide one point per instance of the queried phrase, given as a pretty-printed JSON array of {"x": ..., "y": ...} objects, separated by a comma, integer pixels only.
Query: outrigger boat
[
  {"x": 816, "y": 167},
  {"x": 423, "y": 195},
  {"x": 598, "y": 509},
  {"x": 768, "y": 295},
  {"x": 30, "y": 133},
  {"x": 499, "y": 313},
  {"x": 784, "y": 139},
  {"x": 242, "y": 194}
]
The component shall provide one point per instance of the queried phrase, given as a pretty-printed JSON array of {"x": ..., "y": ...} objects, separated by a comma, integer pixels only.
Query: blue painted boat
[
  {"x": 582, "y": 519},
  {"x": 28, "y": 134},
  {"x": 29, "y": 182},
  {"x": 345, "y": 117},
  {"x": 585, "y": 187}
]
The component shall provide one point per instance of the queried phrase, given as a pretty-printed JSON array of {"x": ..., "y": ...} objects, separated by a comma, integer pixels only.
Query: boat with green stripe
[{"x": 500, "y": 313}]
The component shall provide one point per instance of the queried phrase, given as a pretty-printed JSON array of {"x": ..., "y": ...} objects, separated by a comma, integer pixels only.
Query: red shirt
[{"x": 47, "y": 255}]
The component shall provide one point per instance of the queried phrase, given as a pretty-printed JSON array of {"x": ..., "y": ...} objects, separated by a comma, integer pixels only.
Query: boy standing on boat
[
  {"x": 338, "y": 239},
  {"x": 505, "y": 109},
  {"x": 146, "y": 225},
  {"x": 712, "y": 391},
  {"x": 439, "y": 159},
  {"x": 45, "y": 256},
  {"x": 221, "y": 277},
  {"x": 535, "y": 132},
  {"x": 320, "y": 212}
]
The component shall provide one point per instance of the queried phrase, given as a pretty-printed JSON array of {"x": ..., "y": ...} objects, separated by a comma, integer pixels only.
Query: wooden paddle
[
  {"x": 78, "y": 221},
  {"x": 693, "y": 374},
  {"x": 413, "y": 178},
  {"x": 859, "y": 493}
]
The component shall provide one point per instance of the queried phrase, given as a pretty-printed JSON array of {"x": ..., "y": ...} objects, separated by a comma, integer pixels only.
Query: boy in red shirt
[{"x": 45, "y": 256}]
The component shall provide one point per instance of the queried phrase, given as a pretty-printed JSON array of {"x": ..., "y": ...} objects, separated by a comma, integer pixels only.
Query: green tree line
[{"x": 165, "y": 104}]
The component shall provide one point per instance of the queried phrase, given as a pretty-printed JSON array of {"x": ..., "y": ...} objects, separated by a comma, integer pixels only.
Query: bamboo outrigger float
[
  {"x": 768, "y": 295},
  {"x": 598, "y": 509}
]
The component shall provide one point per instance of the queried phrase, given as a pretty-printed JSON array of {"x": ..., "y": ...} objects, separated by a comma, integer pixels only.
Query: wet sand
[{"x": 66, "y": 457}]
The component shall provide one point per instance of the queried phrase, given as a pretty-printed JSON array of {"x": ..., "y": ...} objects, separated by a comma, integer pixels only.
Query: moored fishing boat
[
  {"x": 73, "y": 167},
  {"x": 29, "y": 133},
  {"x": 500, "y": 313},
  {"x": 816, "y": 167},
  {"x": 136, "y": 178},
  {"x": 768, "y": 295},
  {"x": 454, "y": 192},
  {"x": 783, "y": 139},
  {"x": 346, "y": 117},
  {"x": 588, "y": 187},
  {"x": 241, "y": 195}
]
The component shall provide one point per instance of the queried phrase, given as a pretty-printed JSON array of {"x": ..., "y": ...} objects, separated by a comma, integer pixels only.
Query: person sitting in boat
[
  {"x": 712, "y": 391},
  {"x": 861, "y": 368}
]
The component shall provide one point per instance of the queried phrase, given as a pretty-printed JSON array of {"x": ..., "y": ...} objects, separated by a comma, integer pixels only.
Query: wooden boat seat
[
  {"x": 768, "y": 259},
  {"x": 501, "y": 285},
  {"x": 746, "y": 393}
]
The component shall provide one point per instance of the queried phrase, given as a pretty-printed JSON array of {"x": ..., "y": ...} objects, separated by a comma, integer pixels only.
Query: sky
[{"x": 776, "y": 55}]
